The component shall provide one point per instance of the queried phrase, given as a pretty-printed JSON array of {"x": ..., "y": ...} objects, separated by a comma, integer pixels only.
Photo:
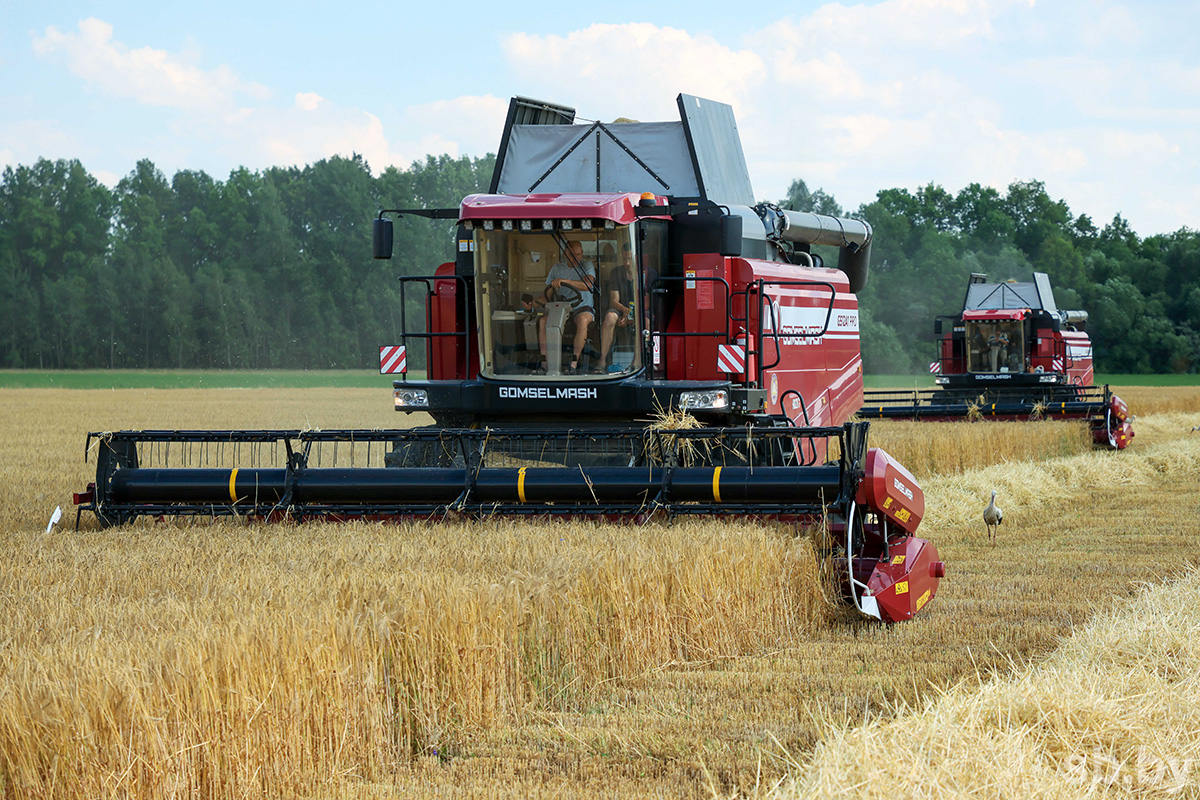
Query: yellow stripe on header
[
  {"x": 232, "y": 485},
  {"x": 521, "y": 484},
  {"x": 717, "y": 484}
]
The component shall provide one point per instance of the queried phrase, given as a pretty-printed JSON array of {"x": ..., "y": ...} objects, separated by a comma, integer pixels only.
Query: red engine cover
[{"x": 891, "y": 490}]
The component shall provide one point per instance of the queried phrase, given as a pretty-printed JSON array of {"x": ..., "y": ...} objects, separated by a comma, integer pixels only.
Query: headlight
[
  {"x": 706, "y": 400},
  {"x": 940, "y": 381},
  {"x": 1048, "y": 378},
  {"x": 411, "y": 398}
]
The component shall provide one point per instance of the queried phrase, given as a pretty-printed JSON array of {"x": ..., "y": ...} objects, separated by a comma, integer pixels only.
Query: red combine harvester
[
  {"x": 623, "y": 332},
  {"x": 1011, "y": 355}
]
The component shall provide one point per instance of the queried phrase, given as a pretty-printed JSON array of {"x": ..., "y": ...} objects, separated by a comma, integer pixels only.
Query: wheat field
[{"x": 517, "y": 659}]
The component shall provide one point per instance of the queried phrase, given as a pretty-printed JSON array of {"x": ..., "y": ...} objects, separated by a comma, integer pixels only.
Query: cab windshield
[
  {"x": 555, "y": 304},
  {"x": 995, "y": 345}
]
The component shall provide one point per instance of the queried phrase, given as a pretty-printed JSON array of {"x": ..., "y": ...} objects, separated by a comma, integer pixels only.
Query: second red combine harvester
[
  {"x": 1011, "y": 354},
  {"x": 616, "y": 287}
]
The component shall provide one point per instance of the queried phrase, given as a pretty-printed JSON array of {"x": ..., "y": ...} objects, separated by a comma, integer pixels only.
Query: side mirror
[
  {"x": 731, "y": 235},
  {"x": 937, "y": 327},
  {"x": 381, "y": 238}
]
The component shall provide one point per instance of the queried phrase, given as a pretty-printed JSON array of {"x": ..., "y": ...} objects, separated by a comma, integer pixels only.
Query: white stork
[{"x": 992, "y": 517}]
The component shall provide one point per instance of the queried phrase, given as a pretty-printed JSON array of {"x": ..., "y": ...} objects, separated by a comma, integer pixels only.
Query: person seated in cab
[
  {"x": 571, "y": 280},
  {"x": 998, "y": 344},
  {"x": 622, "y": 290}
]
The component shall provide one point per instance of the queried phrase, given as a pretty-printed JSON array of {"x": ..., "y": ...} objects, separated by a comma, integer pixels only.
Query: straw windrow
[{"x": 1113, "y": 713}]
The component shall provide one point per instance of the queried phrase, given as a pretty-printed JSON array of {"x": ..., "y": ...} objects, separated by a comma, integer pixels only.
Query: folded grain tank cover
[
  {"x": 1033, "y": 295},
  {"x": 699, "y": 156}
]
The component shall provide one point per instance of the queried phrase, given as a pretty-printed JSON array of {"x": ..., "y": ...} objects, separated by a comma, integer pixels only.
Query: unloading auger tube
[
  {"x": 871, "y": 503},
  {"x": 852, "y": 237}
]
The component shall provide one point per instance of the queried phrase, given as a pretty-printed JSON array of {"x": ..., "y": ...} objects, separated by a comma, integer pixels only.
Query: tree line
[
  {"x": 272, "y": 269},
  {"x": 265, "y": 270},
  {"x": 1142, "y": 295}
]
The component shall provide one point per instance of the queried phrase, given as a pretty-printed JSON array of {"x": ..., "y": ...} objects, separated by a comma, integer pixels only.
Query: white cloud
[
  {"x": 308, "y": 131},
  {"x": 1112, "y": 26},
  {"x": 252, "y": 134},
  {"x": 152, "y": 77},
  {"x": 468, "y": 125},
  {"x": 636, "y": 69},
  {"x": 307, "y": 101},
  {"x": 929, "y": 24},
  {"x": 834, "y": 91}
]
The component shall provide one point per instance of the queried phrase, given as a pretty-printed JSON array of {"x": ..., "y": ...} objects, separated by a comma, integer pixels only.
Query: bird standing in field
[{"x": 992, "y": 517}]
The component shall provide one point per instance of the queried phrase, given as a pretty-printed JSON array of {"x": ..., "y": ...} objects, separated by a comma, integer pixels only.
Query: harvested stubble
[{"x": 1113, "y": 713}]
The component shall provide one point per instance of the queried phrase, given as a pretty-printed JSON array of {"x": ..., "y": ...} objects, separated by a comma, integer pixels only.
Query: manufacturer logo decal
[
  {"x": 902, "y": 489},
  {"x": 548, "y": 392}
]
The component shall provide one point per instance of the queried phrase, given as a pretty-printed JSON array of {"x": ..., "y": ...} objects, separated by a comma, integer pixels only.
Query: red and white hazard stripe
[
  {"x": 731, "y": 358},
  {"x": 1057, "y": 365},
  {"x": 392, "y": 359},
  {"x": 935, "y": 366}
]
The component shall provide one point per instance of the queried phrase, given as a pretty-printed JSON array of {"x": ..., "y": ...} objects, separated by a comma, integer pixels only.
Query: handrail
[
  {"x": 429, "y": 335},
  {"x": 758, "y": 286},
  {"x": 655, "y": 324}
]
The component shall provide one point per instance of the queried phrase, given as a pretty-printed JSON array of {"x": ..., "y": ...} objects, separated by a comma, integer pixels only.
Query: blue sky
[{"x": 1098, "y": 99}]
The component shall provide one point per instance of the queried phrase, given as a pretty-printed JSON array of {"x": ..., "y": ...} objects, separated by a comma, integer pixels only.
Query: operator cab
[
  {"x": 561, "y": 284},
  {"x": 995, "y": 345},
  {"x": 557, "y": 293}
]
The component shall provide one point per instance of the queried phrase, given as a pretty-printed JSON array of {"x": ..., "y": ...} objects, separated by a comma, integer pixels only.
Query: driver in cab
[{"x": 571, "y": 280}]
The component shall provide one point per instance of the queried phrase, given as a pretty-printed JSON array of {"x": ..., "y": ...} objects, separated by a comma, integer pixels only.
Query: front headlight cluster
[
  {"x": 411, "y": 398},
  {"x": 705, "y": 400}
]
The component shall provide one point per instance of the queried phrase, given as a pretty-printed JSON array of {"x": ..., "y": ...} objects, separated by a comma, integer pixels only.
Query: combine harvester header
[
  {"x": 1011, "y": 354},
  {"x": 622, "y": 332}
]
